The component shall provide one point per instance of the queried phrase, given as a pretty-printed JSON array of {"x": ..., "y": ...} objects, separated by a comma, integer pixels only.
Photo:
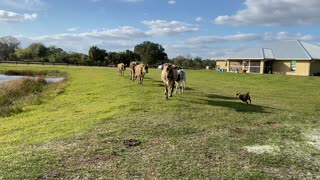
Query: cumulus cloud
[
  {"x": 73, "y": 29},
  {"x": 288, "y": 36},
  {"x": 163, "y": 27},
  {"x": 132, "y": 1},
  {"x": 126, "y": 37},
  {"x": 198, "y": 19},
  {"x": 110, "y": 39},
  {"x": 191, "y": 50},
  {"x": 171, "y": 2},
  {"x": 229, "y": 38},
  {"x": 11, "y": 17},
  {"x": 125, "y": 32},
  {"x": 31, "y": 5},
  {"x": 274, "y": 13}
]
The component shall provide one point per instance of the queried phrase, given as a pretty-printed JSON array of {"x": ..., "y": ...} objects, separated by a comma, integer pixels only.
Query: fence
[{"x": 51, "y": 63}]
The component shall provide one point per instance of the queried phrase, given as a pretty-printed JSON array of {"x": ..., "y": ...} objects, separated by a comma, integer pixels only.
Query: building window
[
  {"x": 293, "y": 66},
  {"x": 254, "y": 66}
]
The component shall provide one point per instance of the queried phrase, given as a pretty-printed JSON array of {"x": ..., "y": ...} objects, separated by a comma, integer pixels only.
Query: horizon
[{"x": 203, "y": 29}]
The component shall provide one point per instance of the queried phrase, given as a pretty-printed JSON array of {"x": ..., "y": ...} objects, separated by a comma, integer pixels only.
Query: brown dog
[{"x": 244, "y": 97}]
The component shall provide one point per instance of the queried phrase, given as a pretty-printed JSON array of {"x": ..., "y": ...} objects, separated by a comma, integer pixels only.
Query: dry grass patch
[
  {"x": 15, "y": 93},
  {"x": 261, "y": 149}
]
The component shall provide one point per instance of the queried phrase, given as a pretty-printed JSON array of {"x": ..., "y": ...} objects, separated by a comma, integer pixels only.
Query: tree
[
  {"x": 97, "y": 55},
  {"x": 151, "y": 53},
  {"x": 39, "y": 50},
  {"x": 8, "y": 45},
  {"x": 210, "y": 63},
  {"x": 74, "y": 57},
  {"x": 24, "y": 54},
  {"x": 56, "y": 55},
  {"x": 180, "y": 61},
  {"x": 198, "y": 63}
]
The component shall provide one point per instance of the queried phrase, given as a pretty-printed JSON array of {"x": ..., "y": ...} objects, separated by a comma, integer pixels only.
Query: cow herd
[{"x": 171, "y": 76}]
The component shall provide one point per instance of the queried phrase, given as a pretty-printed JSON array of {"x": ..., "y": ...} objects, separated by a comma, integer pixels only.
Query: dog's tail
[{"x": 247, "y": 93}]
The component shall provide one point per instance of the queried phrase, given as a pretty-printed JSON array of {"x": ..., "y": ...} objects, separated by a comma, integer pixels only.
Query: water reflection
[{"x": 4, "y": 78}]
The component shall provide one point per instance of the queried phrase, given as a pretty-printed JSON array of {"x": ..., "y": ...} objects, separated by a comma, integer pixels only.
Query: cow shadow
[
  {"x": 157, "y": 83},
  {"x": 189, "y": 89}
]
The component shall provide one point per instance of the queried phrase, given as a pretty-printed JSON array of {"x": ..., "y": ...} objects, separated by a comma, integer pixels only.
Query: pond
[{"x": 4, "y": 78}]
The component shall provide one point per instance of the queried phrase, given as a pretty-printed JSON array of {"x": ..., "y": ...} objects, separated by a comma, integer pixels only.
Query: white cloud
[
  {"x": 222, "y": 39},
  {"x": 289, "y": 36},
  {"x": 171, "y": 2},
  {"x": 125, "y": 32},
  {"x": 274, "y": 12},
  {"x": 203, "y": 51},
  {"x": 7, "y": 16},
  {"x": 198, "y": 19},
  {"x": 132, "y": 1},
  {"x": 163, "y": 27},
  {"x": 121, "y": 38},
  {"x": 31, "y": 5},
  {"x": 73, "y": 29}
]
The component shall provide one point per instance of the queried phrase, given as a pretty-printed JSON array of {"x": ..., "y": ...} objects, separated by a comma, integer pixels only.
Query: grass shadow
[{"x": 189, "y": 88}]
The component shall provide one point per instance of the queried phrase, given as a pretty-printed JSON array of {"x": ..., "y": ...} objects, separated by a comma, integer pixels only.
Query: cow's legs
[
  {"x": 171, "y": 88},
  {"x": 166, "y": 91}
]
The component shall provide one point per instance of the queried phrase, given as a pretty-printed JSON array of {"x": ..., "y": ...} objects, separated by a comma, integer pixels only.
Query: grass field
[{"x": 204, "y": 133}]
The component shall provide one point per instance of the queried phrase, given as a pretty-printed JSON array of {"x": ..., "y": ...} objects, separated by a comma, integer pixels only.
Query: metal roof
[{"x": 280, "y": 50}]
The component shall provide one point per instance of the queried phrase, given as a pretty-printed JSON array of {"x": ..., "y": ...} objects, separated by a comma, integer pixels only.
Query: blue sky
[{"x": 205, "y": 28}]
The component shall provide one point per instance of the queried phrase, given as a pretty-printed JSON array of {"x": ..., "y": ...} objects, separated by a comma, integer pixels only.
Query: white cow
[{"x": 181, "y": 81}]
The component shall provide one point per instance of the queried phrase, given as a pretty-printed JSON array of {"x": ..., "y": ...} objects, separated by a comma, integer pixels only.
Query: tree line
[{"x": 147, "y": 52}]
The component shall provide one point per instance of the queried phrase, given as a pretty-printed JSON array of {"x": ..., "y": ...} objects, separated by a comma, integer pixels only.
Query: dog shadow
[
  {"x": 239, "y": 106},
  {"x": 234, "y": 103},
  {"x": 216, "y": 96}
]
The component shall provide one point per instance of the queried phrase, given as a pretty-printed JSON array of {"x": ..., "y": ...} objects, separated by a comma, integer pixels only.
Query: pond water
[{"x": 4, "y": 78}]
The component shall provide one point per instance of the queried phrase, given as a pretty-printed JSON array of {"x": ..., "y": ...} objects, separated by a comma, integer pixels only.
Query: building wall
[
  {"x": 239, "y": 65},
  {"x": 235, "y": 65},
  {"x": 283, "y": 67},
  {"x": 314, "y": 67},
  {"x": 303, "y": 67},
  {"x": 222, "y": 64}
]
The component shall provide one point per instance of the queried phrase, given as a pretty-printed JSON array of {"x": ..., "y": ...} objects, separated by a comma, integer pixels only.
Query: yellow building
[{"x": 292, "y": 57}]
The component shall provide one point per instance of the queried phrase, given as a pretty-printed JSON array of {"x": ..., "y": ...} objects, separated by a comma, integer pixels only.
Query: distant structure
[{"x": 290, "y": 57}]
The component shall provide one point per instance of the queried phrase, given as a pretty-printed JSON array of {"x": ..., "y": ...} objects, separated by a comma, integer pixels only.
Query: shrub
[
  {"x": 33, "y": 73},
  {"x": 14, "y": 93}
]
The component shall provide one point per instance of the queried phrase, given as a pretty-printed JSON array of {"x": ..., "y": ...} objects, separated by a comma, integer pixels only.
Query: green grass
[{"x": 200, "y": 134}]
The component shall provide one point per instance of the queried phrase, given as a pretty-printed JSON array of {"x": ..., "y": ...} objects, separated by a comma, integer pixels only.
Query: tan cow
[
  {"x": 169, "y": 75},
  {"x": 121, "y": 69},
  {"x": 132, "y": 70},
  {"x": 140, "y": 71}
]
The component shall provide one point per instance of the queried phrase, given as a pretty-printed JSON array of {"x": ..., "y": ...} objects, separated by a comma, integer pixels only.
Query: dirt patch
[
  {"x": 238, "y": 130},
  {"x": 131, "y": 142},
  {"x": 261, "y": 149}
]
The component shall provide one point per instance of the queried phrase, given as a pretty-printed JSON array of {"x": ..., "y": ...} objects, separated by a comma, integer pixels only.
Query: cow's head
[{"x": 169, "y": 71}]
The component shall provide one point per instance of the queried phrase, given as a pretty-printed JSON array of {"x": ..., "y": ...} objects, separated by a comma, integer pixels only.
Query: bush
[
  {"x": 25, "y": 73},
  {"x": 33, "y": 73},
  {"x": 13, "y": 94}
]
